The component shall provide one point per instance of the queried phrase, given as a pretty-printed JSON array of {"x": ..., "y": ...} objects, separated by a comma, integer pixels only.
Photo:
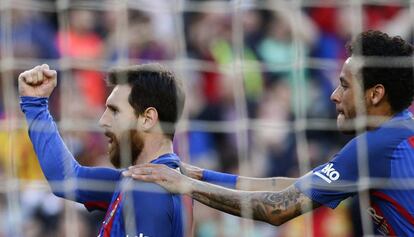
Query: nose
[
  {"x": 335, "y": 96},
  {"x": 104, "y": 120}
]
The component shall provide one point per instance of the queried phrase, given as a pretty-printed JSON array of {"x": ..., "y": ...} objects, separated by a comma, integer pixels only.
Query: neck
[
  {"x": 154, "y": 147},
  {"x": 377, "y": 117}
]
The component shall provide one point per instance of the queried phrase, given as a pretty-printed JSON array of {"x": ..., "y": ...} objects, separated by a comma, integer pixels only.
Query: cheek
[
  {"x": 348, "y": 100},
  {"x": 352, "y": 104},
  {"x": 125, "y": 123}
]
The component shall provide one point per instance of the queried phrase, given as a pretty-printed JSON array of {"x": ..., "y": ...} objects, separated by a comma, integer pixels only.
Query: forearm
[
  {"x": 271, "y": 207},
  {"x": 56, "y": 161},
  {"x": 263, "y": 184},
  {"x": 242, "y": 182}
]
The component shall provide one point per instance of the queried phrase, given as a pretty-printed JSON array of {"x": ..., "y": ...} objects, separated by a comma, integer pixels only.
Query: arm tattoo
[{"x": 271, "y": 207}]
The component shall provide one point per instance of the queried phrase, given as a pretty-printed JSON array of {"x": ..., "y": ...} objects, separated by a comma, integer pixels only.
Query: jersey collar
[
  {"x": 169, "y": 159},
  {"x": 403, "y": 115}
]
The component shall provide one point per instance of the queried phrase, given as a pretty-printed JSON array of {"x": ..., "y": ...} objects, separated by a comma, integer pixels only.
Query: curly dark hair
[{"x": 397, "y": 76}]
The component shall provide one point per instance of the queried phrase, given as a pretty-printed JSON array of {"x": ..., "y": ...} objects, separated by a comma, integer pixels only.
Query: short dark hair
[
  {"x": 152, "y": 85},
  {"x": 397, "y": 76}
]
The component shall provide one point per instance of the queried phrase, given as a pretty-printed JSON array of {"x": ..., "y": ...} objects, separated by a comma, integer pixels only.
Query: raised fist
[{"x": 37, "y": 82}]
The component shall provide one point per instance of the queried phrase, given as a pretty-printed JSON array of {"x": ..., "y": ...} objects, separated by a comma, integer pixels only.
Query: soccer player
[
  {"x": 139, "y": 120},
  {"x": 376, "y": 83}
]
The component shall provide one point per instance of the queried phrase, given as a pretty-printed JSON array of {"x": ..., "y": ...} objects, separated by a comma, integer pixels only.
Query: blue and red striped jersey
[{"x": 379, "y": 161}]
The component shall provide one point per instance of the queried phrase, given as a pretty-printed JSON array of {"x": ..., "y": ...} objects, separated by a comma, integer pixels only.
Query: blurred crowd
[{"x": 267, "y": 67}]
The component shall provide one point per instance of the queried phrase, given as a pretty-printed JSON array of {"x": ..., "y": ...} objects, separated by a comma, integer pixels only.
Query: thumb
[
  {"x": 46, "y": 71},
  {"x": 44, "y": 66},
  {"x": 49, "y": 73}
]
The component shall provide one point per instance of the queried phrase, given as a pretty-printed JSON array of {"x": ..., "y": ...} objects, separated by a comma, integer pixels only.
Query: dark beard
[{"x": 136, "y": 145}]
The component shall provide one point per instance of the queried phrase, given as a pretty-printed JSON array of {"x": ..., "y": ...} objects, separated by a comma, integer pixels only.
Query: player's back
[{"x": 391, "y": 153}]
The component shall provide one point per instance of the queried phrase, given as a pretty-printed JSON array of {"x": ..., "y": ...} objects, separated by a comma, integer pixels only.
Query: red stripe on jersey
[
  {"x": 96, "y": 205},
  {"x": 411, "y": 141},
  {"x": 109, "y": 218},
  {"x": 397, "y": 206},
  {"x": 188, "y": 206}
]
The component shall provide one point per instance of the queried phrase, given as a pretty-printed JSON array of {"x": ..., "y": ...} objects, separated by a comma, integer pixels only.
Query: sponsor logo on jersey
[
  {"x": 379, "y": 221},
  {"x": 328, "y": 173}
]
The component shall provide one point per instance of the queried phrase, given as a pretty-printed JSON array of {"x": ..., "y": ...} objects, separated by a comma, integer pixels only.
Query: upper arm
[
  {"x": 152, "y": 212},
  {"x": 334, "y": 181},
  {"x": 337, "y": 180},
  {"x": 278, "y": 207},
  {"x": 95, "y": 186}
]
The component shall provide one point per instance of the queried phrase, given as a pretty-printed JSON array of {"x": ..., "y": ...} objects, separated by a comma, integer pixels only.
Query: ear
[
  {"x": 376, "y": 94},
  {"x": 149, "y": 118}
]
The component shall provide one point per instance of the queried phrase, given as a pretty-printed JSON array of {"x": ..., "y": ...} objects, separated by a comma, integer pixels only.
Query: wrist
[
  {"x": 198, "y": 174},
  {"x": 28, "y": 103},
  {"x": 189, "y": 186},
  {"x": 222, "y": 179}
]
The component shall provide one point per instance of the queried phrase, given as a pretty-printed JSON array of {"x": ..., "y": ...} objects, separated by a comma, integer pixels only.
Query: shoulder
[
  {"x": 379, "y": 142},
  {"x": 142, "y": 190},
  {"x": 375, "y": 148},
  {"x": 151, "y": 197},
  {"x": 383, "y": 142}
]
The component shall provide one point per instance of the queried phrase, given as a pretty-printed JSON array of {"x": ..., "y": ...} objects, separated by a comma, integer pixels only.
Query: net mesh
[{"x": 258, "y": 76}]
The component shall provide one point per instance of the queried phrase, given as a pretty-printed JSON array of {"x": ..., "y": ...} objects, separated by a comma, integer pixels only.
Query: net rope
[{"x": 241, "y": 125}]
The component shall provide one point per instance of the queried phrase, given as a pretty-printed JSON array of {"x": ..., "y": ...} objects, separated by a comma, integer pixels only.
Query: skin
[
  {"x": 284, "y": 202},
  {"x": 120, "y": 122},
  {"x": 243, "y": 182},
  {"x": 38, "y": 82},
  {"x": 351, "y": 101},
  {"x": 269, "y": 206},
  {"x": 141, "y": 134}
]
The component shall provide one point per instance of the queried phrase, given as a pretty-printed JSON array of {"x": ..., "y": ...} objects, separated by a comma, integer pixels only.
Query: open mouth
[
  {"x": 339, "y": 111},
  {"x": 110, "y": 137}
]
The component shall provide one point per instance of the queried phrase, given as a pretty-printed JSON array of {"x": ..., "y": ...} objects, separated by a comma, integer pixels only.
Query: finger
[
  {"x": 143, "y": 166},
  {"x": 141, "y": 171},
  {"x": 39, "y": 76},
  {"x": 138, "y": 166},
  {"x": 27, "y": 77},
  {"x": 145, "y": 178},
  {"x": 46, "y": 71},
  {"x": 34, "y": 75},
  {"x": 49, "y": 73},
  {"x": 22, "y": 77},
  {"x": 126, "y": 173}
]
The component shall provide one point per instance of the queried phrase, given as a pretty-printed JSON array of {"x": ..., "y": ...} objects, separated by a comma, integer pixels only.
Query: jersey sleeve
[
  {"x": 338, "y": 179},
  {"x": 152, "y": 213},
  {"x": 91, "y": 186},
  {"x": 334, "y": 181}
]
